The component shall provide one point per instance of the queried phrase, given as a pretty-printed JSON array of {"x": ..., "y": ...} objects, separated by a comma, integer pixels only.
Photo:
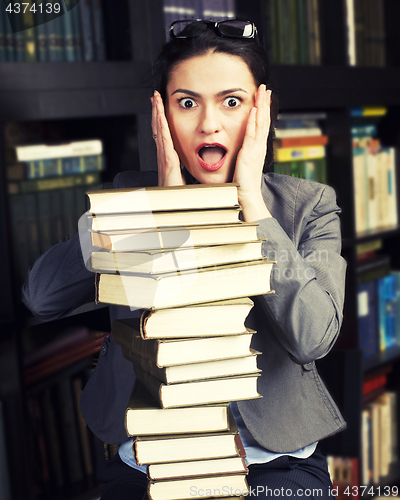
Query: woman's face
[{"x": 209, "y": 98}]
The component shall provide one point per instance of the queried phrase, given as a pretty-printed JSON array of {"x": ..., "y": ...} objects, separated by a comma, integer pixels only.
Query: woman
[{"x": 215, "y": 128}]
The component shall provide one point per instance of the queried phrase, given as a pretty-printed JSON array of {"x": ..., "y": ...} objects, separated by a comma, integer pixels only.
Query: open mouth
[{"x": 211, "y": 156}]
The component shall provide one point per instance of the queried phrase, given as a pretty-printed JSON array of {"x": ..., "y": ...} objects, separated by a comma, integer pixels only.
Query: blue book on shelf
[
  {"x": 87, "y": 30},
  {"x": 41, "y": 37},
  {"x": 387, "y": 311},
  {"x": 69, "y": 43},
  {"x": 364, "y": 130},
  {"x": 10, "y": 41},
  {"x": 396, "y": 274},
  {"x": 368, "y": 318},
  {"x": 98, "y": 28},
  {"x": 3, "y": 47},
  {"x": 77, "y": 35}
]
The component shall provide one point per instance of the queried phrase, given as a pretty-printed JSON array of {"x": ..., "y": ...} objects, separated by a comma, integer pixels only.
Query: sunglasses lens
[
  {"x": 187, "y": 28},
  {"x": 235, "y": 28}
]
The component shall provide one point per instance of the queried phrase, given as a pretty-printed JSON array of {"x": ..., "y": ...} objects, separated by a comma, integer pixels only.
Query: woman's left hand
[{"x": 251, "y": 157}]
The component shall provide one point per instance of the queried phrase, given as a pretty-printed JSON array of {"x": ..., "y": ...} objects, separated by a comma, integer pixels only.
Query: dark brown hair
[{"x": 202, "y": 41}]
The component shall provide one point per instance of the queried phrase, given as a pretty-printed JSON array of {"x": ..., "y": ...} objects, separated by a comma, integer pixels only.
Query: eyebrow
[{"x": 220, "y": 94}]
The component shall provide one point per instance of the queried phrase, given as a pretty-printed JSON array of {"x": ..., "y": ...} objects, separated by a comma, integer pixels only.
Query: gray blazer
[{"x": 296, "y": 325}]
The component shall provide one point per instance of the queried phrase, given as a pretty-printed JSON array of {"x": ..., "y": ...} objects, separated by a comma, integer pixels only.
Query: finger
[
  {"x": 153, "y": 115},
  {"x": 262, "y": 124}
]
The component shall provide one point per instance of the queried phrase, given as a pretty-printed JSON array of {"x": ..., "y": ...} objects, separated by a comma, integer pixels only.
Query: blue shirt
[{"x": 255, "y": 454}]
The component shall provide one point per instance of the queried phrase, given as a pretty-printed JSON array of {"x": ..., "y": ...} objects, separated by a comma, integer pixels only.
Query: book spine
[
  {"x": 10, "y": 41},
  {"x": 152, "y": 384},
  {"x": 70, "y": 438},
  {"x": 69, "y": 44},
  {"x": 301, "y": 152},
  {"x": 302, "y": 31},
  {"x": 145, "y": 365},
  {"x": 130, "y": 339},
  {"x": 87, "y": 30},
  {"x": 98, "y": 25},
  {"x": 29, "y": 36},
  {"x": 33, "y": 185},
  {"x": 41, "y": 37},
  {"x": 57, "y": 167},
  {"x": 3, "y": 46},
  {"x": 77, "y": 33}
]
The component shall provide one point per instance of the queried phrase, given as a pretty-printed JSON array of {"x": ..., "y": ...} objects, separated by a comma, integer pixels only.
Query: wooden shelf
[
  {"x": 335, "y": 86},
  {"x": 383, "y": 358},
  {"x": 43, "y": 91}
]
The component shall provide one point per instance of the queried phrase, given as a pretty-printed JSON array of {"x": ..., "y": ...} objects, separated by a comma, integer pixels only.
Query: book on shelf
[
  {"x": 296, "y": 141},
  {"x": 82, "y": 349},
  {"x": 366, "y": 33},
  {"x": 144, "y": 416},
  {"x": 46, "y": 184},
  {"x": 312, "y": 170},
  {"x": 169, "y": 352},
  {"x": 374, "y": 175},
  {"x": 387, "y": 297},
  {"x": 197, "y": 468},
  {"x": 34, "y": 152},
  {"x": 294, "y": 31},
  {"x": 184, "y": 488},
  {"x": 300, "y": 152},
  {"x": 172, "y": 237},
  {"x": 163, "y": 198},
  {"x": 368, "y": 318},
  {"x": 200, "y": 392},
  {"x": 196, "y": 371},
  {"x": 186, "y": 287},
  {"x": 344, "y": 475},
  {"x": 164, "y": 260},
  {"x": 169, "y": 448},
  {"x": 225, "y": 317},
  {"x": 55, "y": 167}
]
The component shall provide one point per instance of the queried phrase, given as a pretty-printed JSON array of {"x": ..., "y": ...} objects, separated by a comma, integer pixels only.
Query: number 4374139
[{"x": 45, "y": 7}]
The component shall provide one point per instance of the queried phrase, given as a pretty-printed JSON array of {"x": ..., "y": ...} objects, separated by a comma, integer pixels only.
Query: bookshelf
[{"x": 109, "y": 99}]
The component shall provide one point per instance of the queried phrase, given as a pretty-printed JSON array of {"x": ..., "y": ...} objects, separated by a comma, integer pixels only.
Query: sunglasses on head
[{"x": 231, "y": 28}]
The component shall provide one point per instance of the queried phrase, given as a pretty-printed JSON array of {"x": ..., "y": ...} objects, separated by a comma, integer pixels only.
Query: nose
[{"x": 209, "y": 120}]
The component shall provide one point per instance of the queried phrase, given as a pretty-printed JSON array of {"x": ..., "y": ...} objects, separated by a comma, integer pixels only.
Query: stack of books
[
  {"x": 374, "y": 175},
  {"x": 182, "y": 256},
  {"x": 300, "y": 146}
]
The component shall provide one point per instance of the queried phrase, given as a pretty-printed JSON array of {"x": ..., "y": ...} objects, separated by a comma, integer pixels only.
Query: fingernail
[{"x": 151, "y": 99}]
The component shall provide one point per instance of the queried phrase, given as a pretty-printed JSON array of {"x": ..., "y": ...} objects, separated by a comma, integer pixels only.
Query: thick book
[
  {"x": 169, "y": 352},
  {"x": 169, "y": 448},
  {"x": 185, "y": 488},
  {"x": 163, "y": 198},
  {"x": 200, "y": 392},
  {"x": 197, "y": 468},
  {"x": 145, "y": 417},
  {"x": 225, "y": 317},
  {"x": 163, "y": 260},
  {"x": 300, "y": 152},
  {"x": 144, "y": 220},
  {"x": 46, "y": 151},
  {"x": 153, "y": 291},
  {"x": 290, "y": 142},
  {"x": 174, "y": 237},
  {"x": 196, "y": 371},
  {"x": 46, "y": 184}
]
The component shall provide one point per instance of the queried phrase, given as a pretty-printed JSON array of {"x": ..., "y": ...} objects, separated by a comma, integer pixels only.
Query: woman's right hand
[{"x": 169, "y": 169}]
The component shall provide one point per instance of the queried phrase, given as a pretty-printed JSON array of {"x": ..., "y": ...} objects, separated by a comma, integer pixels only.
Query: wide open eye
[
  {"x": 187, "y": 103},
  {"x": 232, "y": 102}
]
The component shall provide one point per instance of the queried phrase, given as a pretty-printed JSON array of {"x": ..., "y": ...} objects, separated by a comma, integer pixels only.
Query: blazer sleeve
[
  {"x": 58, "y": 282},
  {"x": 306, "y": 310}
]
